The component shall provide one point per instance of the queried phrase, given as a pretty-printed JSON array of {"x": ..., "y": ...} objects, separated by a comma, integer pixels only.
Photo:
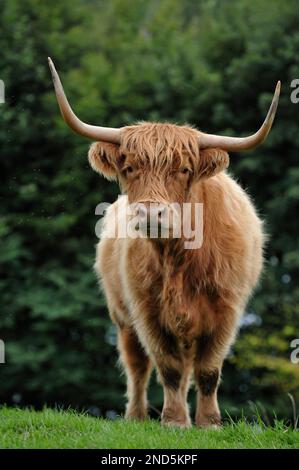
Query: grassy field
[{"x": 57, "y": 429}]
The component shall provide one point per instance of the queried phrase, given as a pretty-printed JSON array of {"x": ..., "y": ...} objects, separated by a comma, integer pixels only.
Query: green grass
[{"x": 58, "y": 429}]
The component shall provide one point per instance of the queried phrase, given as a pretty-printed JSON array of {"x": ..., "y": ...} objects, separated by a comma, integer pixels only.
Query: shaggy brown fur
[{"x": 174, "y": 308}]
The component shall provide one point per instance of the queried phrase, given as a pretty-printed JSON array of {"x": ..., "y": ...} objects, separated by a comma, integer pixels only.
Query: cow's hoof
[
  {"x": 136, "y": 414},
  {"x": 210, "y": 426},
  {"x": 174, "y": 419},
  {"x": 209, "y": 422},
  {"x": 177, "y": 424}
]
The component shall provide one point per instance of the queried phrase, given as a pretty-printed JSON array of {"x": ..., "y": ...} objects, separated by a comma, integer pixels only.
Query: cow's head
[{"x": 157, "y": 164}]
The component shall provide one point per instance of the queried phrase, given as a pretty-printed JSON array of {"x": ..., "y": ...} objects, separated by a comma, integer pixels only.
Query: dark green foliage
[{"x": 211, "y": 63}]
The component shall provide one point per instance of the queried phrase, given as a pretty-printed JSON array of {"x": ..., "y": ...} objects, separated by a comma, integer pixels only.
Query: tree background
[{"x": 211, "y": 63}]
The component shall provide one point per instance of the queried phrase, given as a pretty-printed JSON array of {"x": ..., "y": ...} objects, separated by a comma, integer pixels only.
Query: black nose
[
  {"x": 151, "y": 212},
  {"x": 162, "y": 212},
  {"x": 142, "y": 212}
]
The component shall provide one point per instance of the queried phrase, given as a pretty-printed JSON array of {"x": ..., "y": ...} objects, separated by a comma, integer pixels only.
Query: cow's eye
[
  {"x": 129, "y": 169},
  {"x": 185, "y": 170}
]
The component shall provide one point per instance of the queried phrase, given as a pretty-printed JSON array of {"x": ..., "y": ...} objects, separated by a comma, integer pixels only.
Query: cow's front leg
[
  {"x": 211, "y": 351},
  {"x": 207, "y": 410},
  {"x": 174, "y": 372},
  {"x": 173, "y": 362},
  {"x": 175, "y": 408}
]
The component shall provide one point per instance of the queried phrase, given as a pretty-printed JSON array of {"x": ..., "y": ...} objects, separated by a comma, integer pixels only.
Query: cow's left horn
[
  {"x": 236, "y": 144},
  {"x": 107, "y": 134}
]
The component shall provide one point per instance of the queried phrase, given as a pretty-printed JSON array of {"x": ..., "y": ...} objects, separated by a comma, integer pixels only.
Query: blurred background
[{"x": 210, "y": 63}]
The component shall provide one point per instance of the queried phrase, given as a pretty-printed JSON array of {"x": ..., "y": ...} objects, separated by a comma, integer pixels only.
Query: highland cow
[{"x": 175, "y": 309}]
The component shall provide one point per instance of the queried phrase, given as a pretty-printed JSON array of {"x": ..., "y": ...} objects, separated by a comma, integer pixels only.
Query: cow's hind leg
[{"x": 138, "y": 368}]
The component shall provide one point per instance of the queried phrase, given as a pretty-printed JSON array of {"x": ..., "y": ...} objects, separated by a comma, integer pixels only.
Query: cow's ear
[
  {"x": 212, "y": 161},
  {"x": 103, "y": 158}
]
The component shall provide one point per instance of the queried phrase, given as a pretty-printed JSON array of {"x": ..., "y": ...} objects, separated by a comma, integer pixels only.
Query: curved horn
[
  {"x": 108, "y": 134},
  {"x": 235, "y": 144}
]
